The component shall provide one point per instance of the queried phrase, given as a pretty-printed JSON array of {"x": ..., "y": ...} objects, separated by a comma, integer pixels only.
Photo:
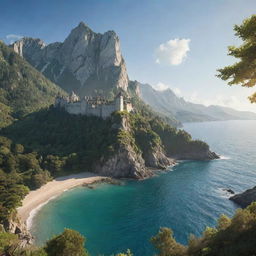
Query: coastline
[{"x": 38, "y": 198}]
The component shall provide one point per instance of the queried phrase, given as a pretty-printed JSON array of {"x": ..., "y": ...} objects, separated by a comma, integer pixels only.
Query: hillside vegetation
[
  {"x": 51, "y": 143},
  {"x": 23, "y": 89},
  {"x": 75, "y": 142}
]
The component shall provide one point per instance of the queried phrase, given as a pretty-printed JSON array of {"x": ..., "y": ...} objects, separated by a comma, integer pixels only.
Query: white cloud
[
  {"x": 161, "y": 87},
  {"x": 11, "y": 38},
  {"x": 172, "y": 52}
]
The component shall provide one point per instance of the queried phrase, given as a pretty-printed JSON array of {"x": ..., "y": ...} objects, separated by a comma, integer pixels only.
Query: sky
[{"x": 177, "y": 44}]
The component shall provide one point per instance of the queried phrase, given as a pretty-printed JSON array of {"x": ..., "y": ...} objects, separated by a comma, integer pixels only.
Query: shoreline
[{"x": 35, "y": 199}]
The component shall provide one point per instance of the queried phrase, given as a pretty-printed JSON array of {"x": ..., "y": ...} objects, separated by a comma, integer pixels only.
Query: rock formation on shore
[
  {"x": 246, "y": 198},
  {"x": 14, "y": 225},
  {"x": 128, "y": 162}
]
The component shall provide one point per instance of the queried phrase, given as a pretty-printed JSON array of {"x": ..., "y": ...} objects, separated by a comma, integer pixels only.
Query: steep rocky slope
[{"x": 86, "y": 62}]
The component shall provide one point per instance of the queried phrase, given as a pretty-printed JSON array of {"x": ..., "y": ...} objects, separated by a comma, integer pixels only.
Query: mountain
[
  {"x": 22, "y": 88},
  {"x": 167, "y": 103},
  {"x": 86, "y": 62}
]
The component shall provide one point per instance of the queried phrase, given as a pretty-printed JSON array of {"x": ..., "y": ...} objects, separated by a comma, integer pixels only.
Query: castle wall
[
  {"x": 107, "y": 110},
  {"x": 84, "y": 108},
  {"x": 93, "y": 110}
]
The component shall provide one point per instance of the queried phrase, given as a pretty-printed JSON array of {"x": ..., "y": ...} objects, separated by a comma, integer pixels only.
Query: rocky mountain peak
[
  {"x": 33, "y": 44},
  {"x": 86, "y": 62}
]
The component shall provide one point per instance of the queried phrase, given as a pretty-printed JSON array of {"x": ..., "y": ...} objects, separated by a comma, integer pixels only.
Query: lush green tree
[
  {"x": 11, "y": 194},
  {"x": 166, "y": 245},
  {"x": 22, "y": 88},
  {"x": 69, "y": 243},
  {"x": 7, "y": 241},
  {"x": 232, "y": 237},
  {"x": 223, "y": 222},
  {"x": 243, "y": 72},
  {"x": 10, "y": 246}
]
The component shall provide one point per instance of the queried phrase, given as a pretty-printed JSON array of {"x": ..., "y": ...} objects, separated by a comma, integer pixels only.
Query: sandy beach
[{"x": 36, "y": 198}]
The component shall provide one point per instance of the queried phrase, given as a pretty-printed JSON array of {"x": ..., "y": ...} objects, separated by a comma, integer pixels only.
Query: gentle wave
[
  {"x": 224, "y": 193},
  {"x": 32, "y": 214},
  {"x": 224, "y": 157}
]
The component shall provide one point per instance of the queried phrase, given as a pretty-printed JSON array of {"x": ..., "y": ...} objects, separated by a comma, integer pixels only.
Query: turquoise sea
[{"x": 187, "y": 198}]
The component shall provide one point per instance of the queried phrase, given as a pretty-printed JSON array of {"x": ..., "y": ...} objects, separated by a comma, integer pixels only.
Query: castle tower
[
  {"x": 119, "y": 101},
  {"x": 73, "y": 97}
]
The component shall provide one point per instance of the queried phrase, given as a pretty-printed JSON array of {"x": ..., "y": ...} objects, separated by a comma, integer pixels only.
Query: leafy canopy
[
  {"x": 232, "y": 237},
  {"x": 243, "y": 72},
  {"x": 69, "y": 243}
]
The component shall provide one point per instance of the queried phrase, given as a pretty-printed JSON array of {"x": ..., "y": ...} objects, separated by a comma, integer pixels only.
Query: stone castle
[{"x": 93, "y": 106}]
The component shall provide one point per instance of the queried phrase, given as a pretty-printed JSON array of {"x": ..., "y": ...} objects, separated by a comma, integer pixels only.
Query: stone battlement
[{"x": 93, "y": 106}]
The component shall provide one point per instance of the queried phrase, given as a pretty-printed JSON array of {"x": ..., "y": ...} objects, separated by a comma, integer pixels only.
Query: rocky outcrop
[
  {"x": 246, "y": 198},
  {"x": 15, "y": 226},
  {"x": 125, "y": 163},
  {"x": 156, "y": 158},
  {"x": 86, "y": 62},
  {"x": 229, "y": 190},
  {"x": 129, "y": 162}
]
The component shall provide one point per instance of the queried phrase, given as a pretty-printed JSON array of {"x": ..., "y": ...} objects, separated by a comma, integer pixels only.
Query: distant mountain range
[{"x": 167, "y": 103}]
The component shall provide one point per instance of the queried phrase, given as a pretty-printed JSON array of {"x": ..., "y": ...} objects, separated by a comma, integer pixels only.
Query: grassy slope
[{"x": 22, "y": 88}]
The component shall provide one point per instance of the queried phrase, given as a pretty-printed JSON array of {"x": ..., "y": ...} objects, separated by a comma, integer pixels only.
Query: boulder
[{"x": 246, "y": 198}]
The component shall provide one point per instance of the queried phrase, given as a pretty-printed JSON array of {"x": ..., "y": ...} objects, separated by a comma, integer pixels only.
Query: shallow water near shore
[{"x": 187, "y": 199}]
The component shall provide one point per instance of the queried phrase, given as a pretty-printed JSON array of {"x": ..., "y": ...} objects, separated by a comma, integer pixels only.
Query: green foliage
[
  {"x": 67, "y": 143},
  {"x": 69, "y": 243},
  {"x": 223, "y": 222},
  {"x": 12, "y": 191},
  {"x": 18, "y": 171},
  {"x": 10, "y": 246},
  {"x": 176, "y": 142},
  {"x": 166, "y": 245},
  {"x": 22, "y": 88},
  {"x": 243, "y": 72},
  {"x": 28, "y": 167},
  {"x": 236, "y": 236},
  {"x": 7, "y": 241}
]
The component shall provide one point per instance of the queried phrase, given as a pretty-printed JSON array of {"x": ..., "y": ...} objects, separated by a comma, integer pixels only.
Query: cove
[{"x": 187, "y": 198}]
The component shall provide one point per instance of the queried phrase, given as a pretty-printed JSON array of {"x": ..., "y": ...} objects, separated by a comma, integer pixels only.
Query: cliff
[
  {"x": 130, "y": 160},
  {"x": 246, "y": 198},
  {"x": 86, "y": 62},
  {"x": 15, "y": 226}
]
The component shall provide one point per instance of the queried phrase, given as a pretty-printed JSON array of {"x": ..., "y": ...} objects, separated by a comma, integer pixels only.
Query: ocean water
[{"x": 187, "y": 198}]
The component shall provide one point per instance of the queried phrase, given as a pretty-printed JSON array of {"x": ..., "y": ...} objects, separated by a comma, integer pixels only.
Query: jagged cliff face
[
  {"x": 127, "y": 162},
  {"x": 86, "y": 62}
]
